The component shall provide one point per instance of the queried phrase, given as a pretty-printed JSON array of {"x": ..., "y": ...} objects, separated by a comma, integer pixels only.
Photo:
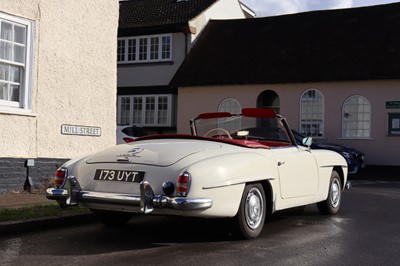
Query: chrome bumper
[{"x": 72, "y": 195}]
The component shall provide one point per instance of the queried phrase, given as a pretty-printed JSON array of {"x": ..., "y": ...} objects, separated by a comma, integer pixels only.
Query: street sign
[{"x": 80, "y": 130}]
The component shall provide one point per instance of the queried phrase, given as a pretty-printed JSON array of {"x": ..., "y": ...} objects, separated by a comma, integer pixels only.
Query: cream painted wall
[
  {"x": 380, "y": 149},
  {"x": 73, "y": 78}
]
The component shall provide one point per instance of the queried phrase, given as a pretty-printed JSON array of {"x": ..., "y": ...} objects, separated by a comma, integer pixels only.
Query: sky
[{"x": 265, "y": 8}]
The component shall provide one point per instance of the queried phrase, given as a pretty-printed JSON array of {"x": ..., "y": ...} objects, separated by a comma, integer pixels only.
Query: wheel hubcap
[
  {"x": 335, "y": 193},
  {"x": 254, "y": 208}
]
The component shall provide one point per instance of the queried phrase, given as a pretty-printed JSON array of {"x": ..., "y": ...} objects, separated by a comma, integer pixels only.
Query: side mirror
[{"x": 307, "y": 141}]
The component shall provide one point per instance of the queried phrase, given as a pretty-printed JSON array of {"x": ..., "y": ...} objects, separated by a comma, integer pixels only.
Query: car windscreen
[{"x": 240, "y": 127}]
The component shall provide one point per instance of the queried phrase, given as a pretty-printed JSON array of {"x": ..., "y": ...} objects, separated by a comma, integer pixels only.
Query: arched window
[
  {"x": 230, "y": 105},
  {"x": 312, "y": 113},
  {"x": 356, "y": 117}
]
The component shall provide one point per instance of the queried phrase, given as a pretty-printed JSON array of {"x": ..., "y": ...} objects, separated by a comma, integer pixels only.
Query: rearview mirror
[
  {"x": 307, "y": 141},
  {"x": 243, "y": 133}
]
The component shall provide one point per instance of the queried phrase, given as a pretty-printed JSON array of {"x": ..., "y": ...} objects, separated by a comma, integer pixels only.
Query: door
[
  {"x": 298, "y": 172},
  {"x": 269, "y": 99}
]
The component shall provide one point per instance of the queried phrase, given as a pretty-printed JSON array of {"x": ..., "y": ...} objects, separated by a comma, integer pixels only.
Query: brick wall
[{"x": 13, "y": 173}]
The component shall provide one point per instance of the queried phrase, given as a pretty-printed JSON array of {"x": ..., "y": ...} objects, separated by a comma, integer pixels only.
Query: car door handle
[{"x": 280, "y": 163}]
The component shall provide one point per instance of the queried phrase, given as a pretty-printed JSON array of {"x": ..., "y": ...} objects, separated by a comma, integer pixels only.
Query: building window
[
  {"x": 150, "y": 110},
  {"x": 125, "y": 110},
  {"x": 162, "y": 110},
  {"x": 137, "y": 109},
  {"x": 131, "y": 50},
  {"x": 15, "y": 63},
  {"x": 312, "y": 113},
  {"x": 166, "y": 47},
  {"x": 142, "y": 49},
  {"x": 120, "y": 50},
  {"x": 356, "y": 114},
  {"x": 232, "y": 106},
  {"x": 146, "y": 110},
  {"x": 152, "y": 48}
]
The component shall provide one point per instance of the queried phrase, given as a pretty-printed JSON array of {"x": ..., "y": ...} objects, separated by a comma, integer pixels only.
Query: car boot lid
[{"x": 159, "y": 153}]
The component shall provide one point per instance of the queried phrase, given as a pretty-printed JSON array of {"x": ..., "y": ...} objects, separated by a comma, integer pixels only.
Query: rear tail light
[
  {"x": 60, "y": 176},
  {"x": 183, "y": 184},
  {"x": 128, "y": 140}
]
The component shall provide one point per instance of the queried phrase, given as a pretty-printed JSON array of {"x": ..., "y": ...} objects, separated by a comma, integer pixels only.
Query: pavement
[
  {"x": 21, "y": 199},
  {"x": 17, "y": 199}
]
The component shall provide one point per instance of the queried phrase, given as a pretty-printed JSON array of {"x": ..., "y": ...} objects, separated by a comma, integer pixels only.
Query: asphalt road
[{"x": 365, "y": 232}]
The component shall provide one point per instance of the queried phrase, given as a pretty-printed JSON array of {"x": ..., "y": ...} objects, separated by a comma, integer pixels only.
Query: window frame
[
  {"x": 309, "y": 122},
  {"x": 143, "y": 50},
  {"x": 148, "y": 117},
  {"x": 357, "y": 121},
  {"x": 24, "y": 103}
]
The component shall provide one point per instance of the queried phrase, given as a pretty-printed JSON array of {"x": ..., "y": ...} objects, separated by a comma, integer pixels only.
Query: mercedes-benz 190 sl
[{"x": 240, "y": 166}]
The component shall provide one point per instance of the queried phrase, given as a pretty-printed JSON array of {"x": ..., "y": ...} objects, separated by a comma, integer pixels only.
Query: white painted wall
[
  {"x": 145, "y": 74},
  {"x": 74, "y": 78},
  {"x": 153, "y": 74},
  {"x": 380, "y": 149},
  {"x": 222, "y": 9}
]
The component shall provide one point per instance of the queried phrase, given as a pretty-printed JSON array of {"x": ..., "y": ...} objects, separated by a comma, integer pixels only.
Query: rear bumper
[{"x": 72, "y": 195}]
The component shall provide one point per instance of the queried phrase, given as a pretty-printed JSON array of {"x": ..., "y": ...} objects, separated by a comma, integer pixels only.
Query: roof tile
[
  {"x": 139, "y": 16},
  {"x": 345, "y": 44}
]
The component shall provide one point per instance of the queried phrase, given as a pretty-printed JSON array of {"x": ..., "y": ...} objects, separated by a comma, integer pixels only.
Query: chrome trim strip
[
  {"x": 333, "y": 165},
  {"x": 236, "y": 183},
  {"x": 227, "y": 185}
]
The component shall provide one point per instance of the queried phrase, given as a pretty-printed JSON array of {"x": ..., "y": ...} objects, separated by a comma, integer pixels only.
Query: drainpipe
[{"x": 28, "y": 181}]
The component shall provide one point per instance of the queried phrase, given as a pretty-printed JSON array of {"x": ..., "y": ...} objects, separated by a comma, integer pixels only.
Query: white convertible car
[{"x": 241, "y": 166}]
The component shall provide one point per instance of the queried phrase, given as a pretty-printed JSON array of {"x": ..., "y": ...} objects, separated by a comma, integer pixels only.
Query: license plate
[{"x": 119, "y": 175}]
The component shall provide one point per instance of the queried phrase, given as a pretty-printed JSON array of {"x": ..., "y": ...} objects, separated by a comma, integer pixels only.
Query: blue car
[{"x": 354, "y": 158}]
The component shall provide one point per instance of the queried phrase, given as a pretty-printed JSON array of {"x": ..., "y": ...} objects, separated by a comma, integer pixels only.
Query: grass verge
[{"x": 38, "y": 211}]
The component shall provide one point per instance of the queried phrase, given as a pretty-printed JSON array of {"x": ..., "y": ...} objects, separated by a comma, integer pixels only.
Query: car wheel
[
  {"x": 332, "y": 203},
  {"x": 252, "y": 211},
  {"x": 111, "y": 218}
]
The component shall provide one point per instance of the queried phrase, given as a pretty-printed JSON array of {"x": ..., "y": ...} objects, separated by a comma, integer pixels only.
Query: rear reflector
[
  {"x": 60, "y": 176},
  {"x": 183, "y": 184}
]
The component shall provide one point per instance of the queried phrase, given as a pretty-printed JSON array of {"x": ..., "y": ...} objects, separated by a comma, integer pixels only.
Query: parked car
[
  {"x": 126, "y": 134},
  {"x": 354, "y": 158},
  {"x": 239, "y": 166}
]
